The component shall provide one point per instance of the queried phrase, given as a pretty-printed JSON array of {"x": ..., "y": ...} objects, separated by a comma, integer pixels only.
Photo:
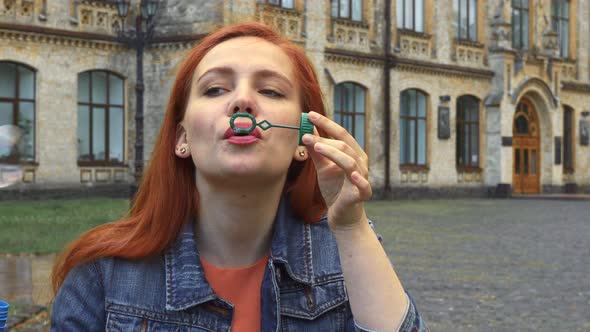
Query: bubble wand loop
[{"x": 305, "y": 126}]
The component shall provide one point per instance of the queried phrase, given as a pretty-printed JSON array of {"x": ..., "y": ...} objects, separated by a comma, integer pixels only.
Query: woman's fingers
[
  {"x": 310, "y": 141},
  {"x": 351, "y": 168},
  {"x": 363, "y": 185},
  {"x": 335, "y": 130}
]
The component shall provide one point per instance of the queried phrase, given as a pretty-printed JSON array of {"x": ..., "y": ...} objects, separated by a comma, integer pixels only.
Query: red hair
[{"x": 167, "y": 196}]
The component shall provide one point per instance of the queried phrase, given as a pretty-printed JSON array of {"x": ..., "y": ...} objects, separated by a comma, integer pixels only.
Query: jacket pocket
[
  {"x": 309, "y": 302},
  {"x": 117, "y": 322}
]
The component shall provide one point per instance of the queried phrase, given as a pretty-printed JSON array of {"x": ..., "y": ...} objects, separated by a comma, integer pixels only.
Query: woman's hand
[{"x": 342, "y": 168}]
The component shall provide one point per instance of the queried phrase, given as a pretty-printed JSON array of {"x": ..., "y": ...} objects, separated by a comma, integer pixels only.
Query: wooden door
[{"x": 526, "y": 152}]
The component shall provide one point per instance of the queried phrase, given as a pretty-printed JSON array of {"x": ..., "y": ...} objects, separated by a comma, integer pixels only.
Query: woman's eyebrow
[
  {"x": 263, "y": 73},
  {"x": 267, "y": 73},
  {"x": 224, "y": 71}
]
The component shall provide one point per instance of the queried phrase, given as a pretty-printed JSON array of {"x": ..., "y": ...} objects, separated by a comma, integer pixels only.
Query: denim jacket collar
[{"x": 186, "y": 285}]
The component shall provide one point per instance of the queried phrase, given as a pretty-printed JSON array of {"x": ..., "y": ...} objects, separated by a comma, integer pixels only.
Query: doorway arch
[{"x": 526, "y": 139}]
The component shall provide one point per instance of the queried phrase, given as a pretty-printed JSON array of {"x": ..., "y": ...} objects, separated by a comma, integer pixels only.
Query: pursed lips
[{"x": 230, "y": 132}]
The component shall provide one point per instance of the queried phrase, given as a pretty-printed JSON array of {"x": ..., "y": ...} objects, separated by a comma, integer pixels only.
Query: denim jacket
[{"x": 302, "y": 290}]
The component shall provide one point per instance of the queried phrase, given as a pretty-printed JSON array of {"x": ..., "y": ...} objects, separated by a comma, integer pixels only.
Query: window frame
[
  {"x": 526, "y": 10},
  {"x": 15, "y": 157},
  {"x": 556, "y": 23},
  {"x": 354, "y": 112},
  {"x": 462, "y": 106},
  {"x": 349, "y": 17},
  {"x": 107, "y": 107},
  {"x": 414, "y": 163},
  {"x": 280, "y": 4},
  {"x": 467, "y": 16},
  {"x": 402, "y": 25}
]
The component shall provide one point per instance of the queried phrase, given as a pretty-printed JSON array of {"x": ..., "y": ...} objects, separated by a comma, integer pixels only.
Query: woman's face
[{"x": 248, "y": 75}]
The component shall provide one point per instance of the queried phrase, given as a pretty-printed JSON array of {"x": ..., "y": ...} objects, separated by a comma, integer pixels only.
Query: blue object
[{"x": 3, "y": 315}]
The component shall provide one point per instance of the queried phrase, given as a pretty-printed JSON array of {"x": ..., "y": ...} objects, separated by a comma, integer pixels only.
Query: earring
[
  {"x": 301, "y": 153},
  {"x": 183, "y": 150}
]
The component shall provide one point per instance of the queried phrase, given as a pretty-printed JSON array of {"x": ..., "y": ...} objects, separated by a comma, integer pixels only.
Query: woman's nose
[{"x": 243, "y": 101}]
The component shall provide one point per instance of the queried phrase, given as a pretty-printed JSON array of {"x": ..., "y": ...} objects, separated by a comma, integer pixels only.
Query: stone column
[
  {"x": 493, "y": 148},
  {"x": 315, "y": 40}
]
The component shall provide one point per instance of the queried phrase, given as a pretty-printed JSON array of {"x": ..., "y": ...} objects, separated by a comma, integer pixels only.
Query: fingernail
[
  {"x": 307, "y": 138},
  {"x": 314, "y": 115}
]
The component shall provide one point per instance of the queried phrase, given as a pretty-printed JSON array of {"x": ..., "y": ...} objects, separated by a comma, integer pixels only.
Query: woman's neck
[{"x": 234, "y": 225}]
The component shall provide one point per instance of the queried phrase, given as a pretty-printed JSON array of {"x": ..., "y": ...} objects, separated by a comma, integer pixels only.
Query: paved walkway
[
  {"x": 556, "y": 197},
  {"x": 494, "y": 265}
]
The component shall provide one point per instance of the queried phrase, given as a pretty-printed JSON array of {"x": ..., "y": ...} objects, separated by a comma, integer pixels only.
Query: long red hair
[{"x": 167, "y": 196}]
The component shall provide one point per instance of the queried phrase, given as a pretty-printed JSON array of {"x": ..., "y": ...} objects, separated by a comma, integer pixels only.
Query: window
[
  {"x": 413, "y": 128},
  {"x": 465, "y": 19},
  {"x": 349, "y": 109},
  {"x": 560, "y": 21},
  {"x": 568, "y": 140},
  {"x": 410, "y": 15},
  {"x": 17, "y": 108},
  {"x": 467, "y": 132},
  {"x": 520, "y": 24},
  {"x": 101, "y": 119},
  {"x": 349, "y": 9},
  {"x": 281, "y": 3}
]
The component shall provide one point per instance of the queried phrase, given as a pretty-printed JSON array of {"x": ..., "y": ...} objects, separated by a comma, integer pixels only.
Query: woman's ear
[
  {"x": 182, "y": 148},
  {"x": 301, "y": 153}
]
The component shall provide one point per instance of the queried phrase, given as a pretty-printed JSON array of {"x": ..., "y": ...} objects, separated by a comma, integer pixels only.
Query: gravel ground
[{"x": 492, "y": 265}]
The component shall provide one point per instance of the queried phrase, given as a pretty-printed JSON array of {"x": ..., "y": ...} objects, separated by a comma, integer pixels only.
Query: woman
[{"x": 242, "y": 233}]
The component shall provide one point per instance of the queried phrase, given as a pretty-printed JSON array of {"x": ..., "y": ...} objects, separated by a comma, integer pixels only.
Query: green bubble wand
[{"x": 305, "y": 126}]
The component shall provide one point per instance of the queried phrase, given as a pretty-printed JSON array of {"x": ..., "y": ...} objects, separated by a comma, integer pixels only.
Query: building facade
[{"x": 469, "y": 97}]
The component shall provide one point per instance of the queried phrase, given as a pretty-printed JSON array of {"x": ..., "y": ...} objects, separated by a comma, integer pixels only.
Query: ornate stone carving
[
  {"x": 550, "y": 43},
  {"x": 501, "y": 27},
  {"x": 350, "y": 35},
  {"x": 97, "y": 16},
  {"x": 568, "y": 72},
  {"x": 414, "y": 45},
  {"x": 416, "y": 177},
  {"x": 469, "y": 55},
  {"x": 288, "y": 22},
  {"x": 7, "y": 7},
  {"x": 27, "y": 8},
  {"x": 20, "y": 8}
]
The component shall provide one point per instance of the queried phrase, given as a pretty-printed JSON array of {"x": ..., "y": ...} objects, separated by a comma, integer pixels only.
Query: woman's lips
[
  {"x": 252, "y": 137},
  {"x": 242, "y": 140}
]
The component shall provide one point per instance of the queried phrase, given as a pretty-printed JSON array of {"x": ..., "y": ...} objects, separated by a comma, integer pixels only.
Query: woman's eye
[
  {"x": 271, "y": 93},
  {"x": 216, "y": 91}
]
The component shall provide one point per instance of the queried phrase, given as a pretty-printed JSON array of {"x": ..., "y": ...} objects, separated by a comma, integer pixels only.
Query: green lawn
[{"x": 44, "y": 227}]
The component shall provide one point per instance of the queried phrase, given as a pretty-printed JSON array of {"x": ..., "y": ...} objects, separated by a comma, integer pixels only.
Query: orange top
[{"x": 241, "y": 287}]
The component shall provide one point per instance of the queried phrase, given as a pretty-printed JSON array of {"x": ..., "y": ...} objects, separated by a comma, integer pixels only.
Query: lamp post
[{"x": 138, "y": 38}]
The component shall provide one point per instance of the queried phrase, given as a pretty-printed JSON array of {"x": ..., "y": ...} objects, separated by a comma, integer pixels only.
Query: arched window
[
  {"x": 410, "y": 15},
  {"x": 467, "y": 132},
  {"x": 17, "y": 107},
  {"x": 568, "y": 139},
  {"x": 349, "y": 109},
  {"x": 101, "y": 119},
  {"x": 560, "y": 21},
  {"x": 413, "y": 111}
]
